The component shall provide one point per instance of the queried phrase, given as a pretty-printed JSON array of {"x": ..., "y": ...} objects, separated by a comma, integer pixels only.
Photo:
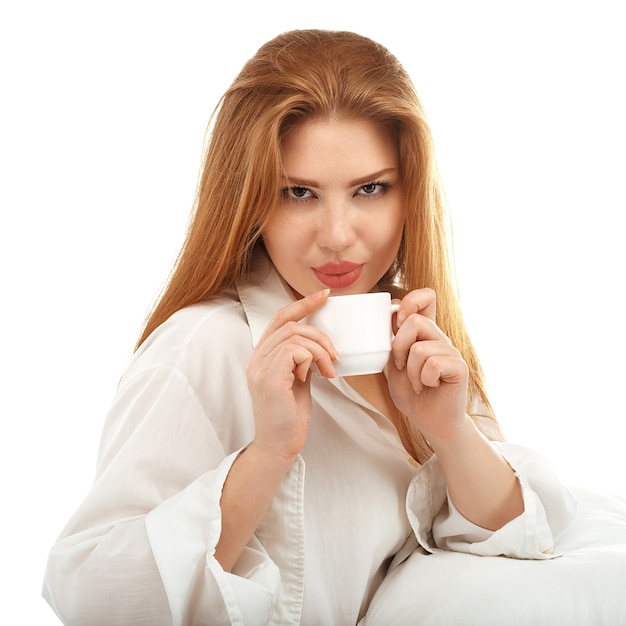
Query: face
[{"x": 341, "y": 214}]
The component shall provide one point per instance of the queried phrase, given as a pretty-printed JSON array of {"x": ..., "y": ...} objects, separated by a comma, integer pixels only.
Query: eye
[
  {"x": 297, "y": 193},
  {"x": 373, "y": 189}
]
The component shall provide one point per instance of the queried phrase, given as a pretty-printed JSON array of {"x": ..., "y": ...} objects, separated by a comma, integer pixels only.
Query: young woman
[{"x": 235, "y": 486}]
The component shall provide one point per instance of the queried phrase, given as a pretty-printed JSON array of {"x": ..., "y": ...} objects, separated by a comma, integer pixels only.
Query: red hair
[{"x": 296, "y": 76}]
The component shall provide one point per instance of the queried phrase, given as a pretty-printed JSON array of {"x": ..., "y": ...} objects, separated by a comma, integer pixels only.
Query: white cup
[{"x": 359, "y": 326}]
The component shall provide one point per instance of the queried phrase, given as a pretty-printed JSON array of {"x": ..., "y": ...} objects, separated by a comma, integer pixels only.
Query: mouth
[{"x": 338, "y": 275}]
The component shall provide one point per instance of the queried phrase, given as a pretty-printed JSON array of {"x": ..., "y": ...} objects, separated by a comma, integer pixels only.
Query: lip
[{"x": 338, "y": 275}]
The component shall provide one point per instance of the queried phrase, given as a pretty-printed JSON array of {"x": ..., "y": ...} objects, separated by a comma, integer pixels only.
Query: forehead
[{"x": 326, "y": 144}]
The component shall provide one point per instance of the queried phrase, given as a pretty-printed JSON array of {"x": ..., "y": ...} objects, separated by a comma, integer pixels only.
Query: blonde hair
[{"x": 296, "y": 76}]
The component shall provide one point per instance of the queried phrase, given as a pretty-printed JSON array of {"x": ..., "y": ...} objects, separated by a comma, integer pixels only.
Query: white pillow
[{"x": 586, "y": 586}]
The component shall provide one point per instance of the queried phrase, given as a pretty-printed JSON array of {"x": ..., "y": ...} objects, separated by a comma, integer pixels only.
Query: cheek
[
  {"x": 388, "y": 234},
  {"x": 282, "y": 238}
]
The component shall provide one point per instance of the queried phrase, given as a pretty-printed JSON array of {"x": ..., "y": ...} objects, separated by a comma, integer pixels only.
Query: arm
[
  {"x": 480, "y": 482},
  {"x": 279, "y": 384},
  {"x": 249, "y": 488},
  {"x": 429, "y": 385},
  {"x": 142, "y": 546},
  {"x": 106, "y": 567}
]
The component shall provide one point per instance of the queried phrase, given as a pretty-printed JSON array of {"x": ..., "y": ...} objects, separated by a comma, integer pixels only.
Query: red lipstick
[{"x": 338, "y": 275}]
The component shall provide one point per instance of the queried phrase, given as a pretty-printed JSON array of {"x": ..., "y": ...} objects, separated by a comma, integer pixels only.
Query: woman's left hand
[{"x": 427, "y": 375}]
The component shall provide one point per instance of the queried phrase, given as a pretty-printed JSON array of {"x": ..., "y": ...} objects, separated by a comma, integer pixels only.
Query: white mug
[{"x": 359, "y": 326}]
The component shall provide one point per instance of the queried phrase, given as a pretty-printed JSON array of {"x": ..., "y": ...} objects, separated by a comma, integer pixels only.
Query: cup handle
[{"x": 393, "y": 309}]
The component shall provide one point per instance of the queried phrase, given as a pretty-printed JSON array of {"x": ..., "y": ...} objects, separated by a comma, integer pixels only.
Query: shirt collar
[{"x": 262, "y": 293}]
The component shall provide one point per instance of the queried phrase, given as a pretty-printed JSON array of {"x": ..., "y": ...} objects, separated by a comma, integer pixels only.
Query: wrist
[
  {"x": 270, "y": 459},
  {"x": 455, "y": 438}
]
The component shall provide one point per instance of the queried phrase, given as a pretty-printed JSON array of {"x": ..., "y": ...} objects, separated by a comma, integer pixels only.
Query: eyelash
[{"x": 286, "y": 191}]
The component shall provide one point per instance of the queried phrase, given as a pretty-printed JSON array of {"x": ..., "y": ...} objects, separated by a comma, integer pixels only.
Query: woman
[{"x": 234, "y": 486}]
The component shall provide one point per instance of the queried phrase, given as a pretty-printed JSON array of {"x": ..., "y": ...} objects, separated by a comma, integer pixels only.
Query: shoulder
[
  {"x": 187, "y": 377},
  {"x": 200, "y": 341}
]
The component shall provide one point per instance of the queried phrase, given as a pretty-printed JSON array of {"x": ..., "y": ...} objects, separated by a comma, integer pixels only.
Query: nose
[{"x": 336, "y": 227}]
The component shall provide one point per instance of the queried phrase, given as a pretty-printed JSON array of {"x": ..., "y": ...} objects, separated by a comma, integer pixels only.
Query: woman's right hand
[{"x": 278, "y": 376}]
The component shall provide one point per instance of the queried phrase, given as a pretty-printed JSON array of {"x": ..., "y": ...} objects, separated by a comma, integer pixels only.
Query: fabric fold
[
  {"x": 548, "y": 509},
  {"x": 183, "y": 532}
]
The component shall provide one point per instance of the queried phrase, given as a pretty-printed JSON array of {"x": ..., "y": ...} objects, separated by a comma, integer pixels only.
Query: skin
[
  {"x": 335, "y": 209},
  {"x": 344, "y": 207}
]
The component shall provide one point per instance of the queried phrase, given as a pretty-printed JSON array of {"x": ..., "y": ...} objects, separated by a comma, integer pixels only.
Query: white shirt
[{"x": 140, "y": 548}]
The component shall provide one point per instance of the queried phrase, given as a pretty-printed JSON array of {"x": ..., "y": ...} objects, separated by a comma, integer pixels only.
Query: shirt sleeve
[
  {"x": 548, "y": 509},
  {"x": 183, "y": 534},
  {"x": 140, "y": 548}
]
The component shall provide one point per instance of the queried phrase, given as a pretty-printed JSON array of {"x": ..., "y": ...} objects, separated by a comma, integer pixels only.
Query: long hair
[{"x": 301, "y": 75}]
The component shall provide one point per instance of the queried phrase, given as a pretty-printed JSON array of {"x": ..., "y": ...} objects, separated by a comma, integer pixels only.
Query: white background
[{"x": 103, "y": 112}]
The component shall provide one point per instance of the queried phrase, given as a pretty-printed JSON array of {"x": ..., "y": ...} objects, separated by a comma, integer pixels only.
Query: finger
[
  {"x": 444, "y": 369},
  {"x": 415, "y": 329},
  {"x": 301, "y": 360},
  {"x": 274, "y": 374},
  {"x": 291, "y": 356},
  {"x": 302, "y": 355},
  {"x": 291, "y": 331},
  {"x": 420, "y": 354},
  {"x": 297, "y": 310},
  {"x": 319, "y": 355},
  {"x": 422, "y": 301}
]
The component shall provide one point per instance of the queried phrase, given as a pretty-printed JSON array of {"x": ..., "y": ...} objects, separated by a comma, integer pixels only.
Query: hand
[
  {"x": 278, "y": 376},
  {"x": 427, "y": 376}
]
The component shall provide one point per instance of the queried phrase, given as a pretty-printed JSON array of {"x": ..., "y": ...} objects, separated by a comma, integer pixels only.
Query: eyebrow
[{"x": 353, "y": 183}]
